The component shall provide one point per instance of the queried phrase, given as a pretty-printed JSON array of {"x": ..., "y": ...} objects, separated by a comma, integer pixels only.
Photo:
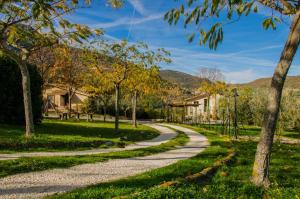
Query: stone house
[
  {"x": 56, "y": 99},
  {"x": 197, "y": 107}
]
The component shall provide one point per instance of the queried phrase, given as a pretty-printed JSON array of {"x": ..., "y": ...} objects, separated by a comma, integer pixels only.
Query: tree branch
[{"x": 271, "y": 4}]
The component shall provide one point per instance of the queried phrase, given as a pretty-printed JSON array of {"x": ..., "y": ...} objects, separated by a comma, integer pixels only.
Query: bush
[{"x": 11, "y": 97}]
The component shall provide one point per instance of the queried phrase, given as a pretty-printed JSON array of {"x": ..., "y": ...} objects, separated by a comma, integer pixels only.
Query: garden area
[{"x": 102, "y": 99}]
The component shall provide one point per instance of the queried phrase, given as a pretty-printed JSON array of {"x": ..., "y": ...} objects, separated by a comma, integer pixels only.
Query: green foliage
[
  {"x": 217, "y": 13},
  {"x": 252, "y": 103},
  {"x": 11, "y": 98},
  {"x": 289, "y": 118},
  {"x": 270, "y": 22},
  {"x": 90, "y": 105}
]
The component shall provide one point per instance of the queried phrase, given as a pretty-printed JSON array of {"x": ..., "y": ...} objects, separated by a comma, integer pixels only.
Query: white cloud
[
  {"x": 257, "y": 49},
  {"x": 240, "y": 76},
  {"x": 128, "y": 21},
  {"x": 237, "y": 68},
  {"x": 138, "y": 6}
]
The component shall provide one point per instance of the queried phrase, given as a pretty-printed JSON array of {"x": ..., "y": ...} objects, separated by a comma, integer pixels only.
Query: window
[{"x": 64, "y": 100}]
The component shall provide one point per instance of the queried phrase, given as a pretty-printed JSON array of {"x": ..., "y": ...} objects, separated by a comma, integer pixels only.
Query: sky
[{"x": 247, "y": 52}]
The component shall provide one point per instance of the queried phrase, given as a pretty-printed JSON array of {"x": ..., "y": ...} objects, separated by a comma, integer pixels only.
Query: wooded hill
[
  {"x": 181, "y": 79},
  {"x": 291, "y": 82},
  {"x": 192, "y": 82}
]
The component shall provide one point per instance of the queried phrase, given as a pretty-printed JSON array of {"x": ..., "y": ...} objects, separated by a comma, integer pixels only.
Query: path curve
[
  {"x": 162, "y": 138},
  {"x": 40, "y": 184}
]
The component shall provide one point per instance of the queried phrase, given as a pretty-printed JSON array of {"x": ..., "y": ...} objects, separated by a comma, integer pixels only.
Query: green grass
[
  {"x": 22, "y": 165},
  {"x": 251, "y": 130},
  {"x": 230, "y": 181},
  {"x": 56, "y": 135}
]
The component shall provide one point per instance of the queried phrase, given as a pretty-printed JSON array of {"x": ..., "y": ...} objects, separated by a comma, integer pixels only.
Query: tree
[
  {"x": 212, "y": 85},
  {"x": 69, "y": 70},
  {"x": 141, "y": 81},
  {"x": 169, "y": 94},
  {"x": 144, "y": 76},
  {"x": 211, "y": 74},
  {"x": 27, "y": 26},
  {"x": 44, "y": 59},
  {"x": 99, "y": 86},
  {"x": 117, "y": 59},
  {"x": 198, "y": 11}
]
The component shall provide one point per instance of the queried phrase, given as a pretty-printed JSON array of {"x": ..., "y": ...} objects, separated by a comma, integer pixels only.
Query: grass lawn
[
  {"x": 230, "y": 181},
  {"x": 57, "y": 135},
  {"x": 253, "y": 130},
  {"x": 22, "y": 165}
]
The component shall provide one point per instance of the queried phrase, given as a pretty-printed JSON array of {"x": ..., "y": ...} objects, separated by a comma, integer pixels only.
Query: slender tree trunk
[
  {"x": 27, "y": 98},
  {"x": 260, "y": 173},
  {"x": 117, "y": 98},
  {"x": 228, "y": 116},
  {"x": 134, "y": 100},
  {"x": 208, "y": 112},
  {"x": 104, "y": 113},
  {"x": 70, "y": 102},
  {"x": 168, "y": 113},
  {"x": 125, "y": 113},
  {"x": 235, "y": 114},
  {"x": 215, "y": 108}
]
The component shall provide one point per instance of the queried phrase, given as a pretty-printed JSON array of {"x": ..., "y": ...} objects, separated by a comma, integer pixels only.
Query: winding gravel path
[
  {"x": 162, "y": 138},
  {"x": 39, "y": 184}
]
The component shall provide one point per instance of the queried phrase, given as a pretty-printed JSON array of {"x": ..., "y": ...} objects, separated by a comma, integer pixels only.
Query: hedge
[{"x": 11, "y": 93}]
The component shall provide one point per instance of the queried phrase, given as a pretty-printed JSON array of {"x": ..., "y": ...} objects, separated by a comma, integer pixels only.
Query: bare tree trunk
[
  {"x": 70, "y": 102},
  {"x": 168, "y": 113},
  {"x": 125, "y": 113},
  {"x": 260, "y": 173},
  {"x": 235, "y": 122},
  {"x": 215, "y": 108},
  {"x": 208, "y": 111},
  {"x": 27, "y": 98},
  {"x": 104, "y": 113},
  {"x": 134, "y": 100},
  {"x": 117, "y": 90}
]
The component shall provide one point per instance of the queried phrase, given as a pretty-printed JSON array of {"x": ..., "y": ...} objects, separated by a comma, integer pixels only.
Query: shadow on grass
[{"x": 66, "y": 135}]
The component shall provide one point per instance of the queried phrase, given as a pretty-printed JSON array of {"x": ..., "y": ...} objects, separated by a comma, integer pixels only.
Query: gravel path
[
  {"x": 39, "y": 184},
  {"x": 162, "y": 138}
]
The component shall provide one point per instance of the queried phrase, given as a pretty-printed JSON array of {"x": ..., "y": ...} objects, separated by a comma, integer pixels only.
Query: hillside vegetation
[
  {"x": 181, "y": 79},
  {"x": 192, "y": 82},
  {"x": 291, "y": 82}
]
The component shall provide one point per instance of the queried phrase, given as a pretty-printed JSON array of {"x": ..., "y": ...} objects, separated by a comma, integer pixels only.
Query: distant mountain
[
  {"x": 192, "y": 82},
  {"x": 181, "y": 79},
  {"x": 291, "y": 82}
]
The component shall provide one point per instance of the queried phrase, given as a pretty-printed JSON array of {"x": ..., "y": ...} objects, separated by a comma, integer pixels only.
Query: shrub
[{"x": 11, "y": 93}]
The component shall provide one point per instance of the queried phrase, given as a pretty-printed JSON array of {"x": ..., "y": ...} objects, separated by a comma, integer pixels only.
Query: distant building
[
  {"x": 195, "y": 109},
  {"x": 56, "y": 99},
  {"x": 201, "y": 105}
]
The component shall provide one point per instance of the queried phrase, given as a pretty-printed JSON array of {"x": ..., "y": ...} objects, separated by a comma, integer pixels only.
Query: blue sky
[{"x": 247, "y": 52}]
